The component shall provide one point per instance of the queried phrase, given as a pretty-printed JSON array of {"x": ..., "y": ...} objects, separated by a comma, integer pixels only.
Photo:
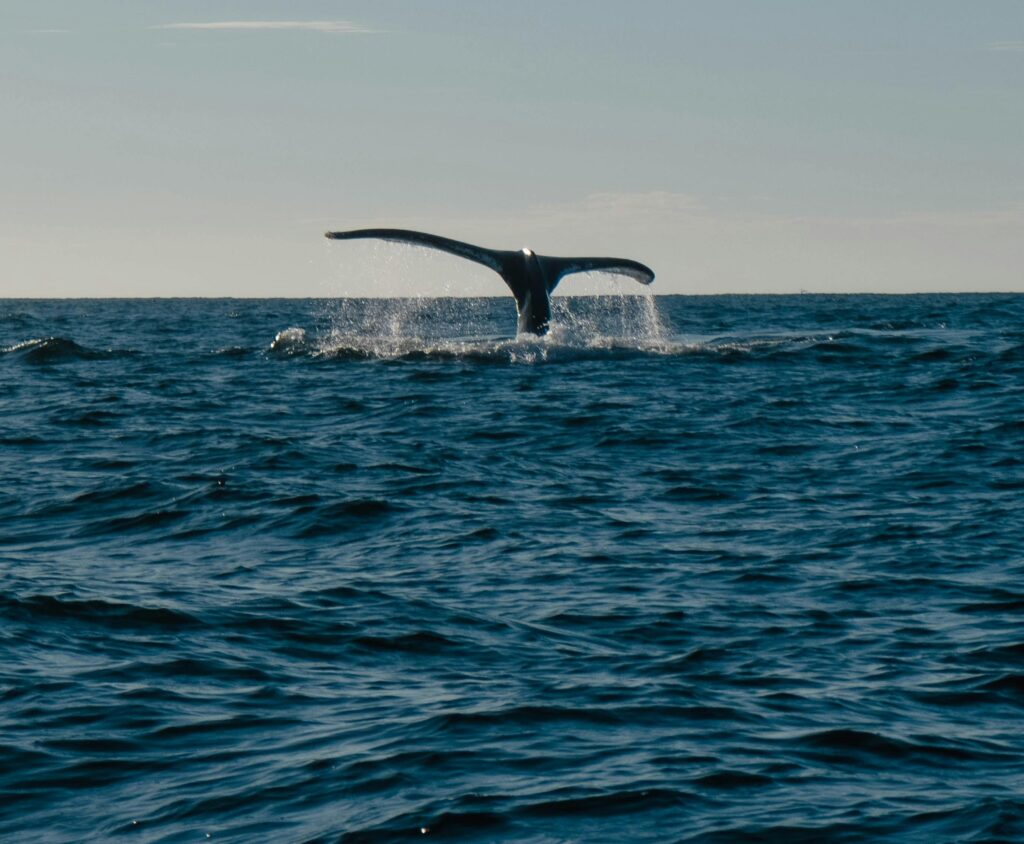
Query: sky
[{"x": 202, "y": 148}]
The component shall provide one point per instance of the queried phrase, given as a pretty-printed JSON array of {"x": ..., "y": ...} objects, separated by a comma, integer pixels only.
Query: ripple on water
[{"x": 692, "y": 569}]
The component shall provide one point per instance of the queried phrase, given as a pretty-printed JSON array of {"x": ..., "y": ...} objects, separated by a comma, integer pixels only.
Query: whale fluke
[{"x": 530, "y": 277}]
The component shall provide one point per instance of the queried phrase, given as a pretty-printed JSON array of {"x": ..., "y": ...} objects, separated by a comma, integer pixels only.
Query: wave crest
[{"x": 44, "y": 350}]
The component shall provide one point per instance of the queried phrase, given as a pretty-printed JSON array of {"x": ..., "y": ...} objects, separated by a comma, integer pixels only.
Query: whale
[{"x": 531, "y": 277}]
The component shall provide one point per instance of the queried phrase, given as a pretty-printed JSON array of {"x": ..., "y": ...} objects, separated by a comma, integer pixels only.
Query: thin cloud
[
  {"x": 620, "y": 209},
  {"x": 1006, "y": 47},
  {"x": 332, "y": 27}
]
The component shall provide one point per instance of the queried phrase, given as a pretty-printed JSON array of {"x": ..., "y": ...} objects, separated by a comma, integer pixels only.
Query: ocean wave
[
  {"x": 752, "y": 575},
  {"x": 858, "y": 747},
  {"x": 94, "y": 611},
  {"x": 563, "y": 345},
  {"x": 520, "y": 350},
  {"x": 48, "y": 350}
]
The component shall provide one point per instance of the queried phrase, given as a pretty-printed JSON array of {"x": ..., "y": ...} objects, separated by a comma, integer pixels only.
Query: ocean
[{"x": 694, "y": 569}]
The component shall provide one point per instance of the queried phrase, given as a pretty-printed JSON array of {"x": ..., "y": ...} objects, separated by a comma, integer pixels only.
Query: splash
[
  {"x": 619, "y": 318},
  {"x": 290, "y": 341},
  {"x": 477, "y": 328}
]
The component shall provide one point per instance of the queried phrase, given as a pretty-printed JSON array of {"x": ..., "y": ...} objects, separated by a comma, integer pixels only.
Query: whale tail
[{"x": 529, "y": 276}]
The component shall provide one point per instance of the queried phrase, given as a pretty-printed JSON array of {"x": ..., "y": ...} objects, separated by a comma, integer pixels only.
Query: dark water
[{"x": 734, "y": 569}]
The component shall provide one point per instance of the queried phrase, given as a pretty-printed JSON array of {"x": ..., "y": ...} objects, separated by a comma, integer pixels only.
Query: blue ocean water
[{"x": 701, "y": 569}]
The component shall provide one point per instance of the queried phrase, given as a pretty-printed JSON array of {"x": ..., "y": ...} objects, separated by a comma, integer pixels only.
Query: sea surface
[{"x": 695, "y": 569}]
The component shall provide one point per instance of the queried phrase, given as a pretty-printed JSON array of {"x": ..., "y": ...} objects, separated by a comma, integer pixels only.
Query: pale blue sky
[{"x": 733, "y": 146}]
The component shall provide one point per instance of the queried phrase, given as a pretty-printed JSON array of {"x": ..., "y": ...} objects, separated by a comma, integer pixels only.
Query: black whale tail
[{"x": 530, "y": 277}]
